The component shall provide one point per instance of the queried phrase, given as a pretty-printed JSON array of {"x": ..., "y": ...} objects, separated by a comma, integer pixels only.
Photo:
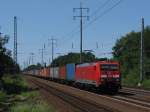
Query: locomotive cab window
[{"x": 109, "y": 67}]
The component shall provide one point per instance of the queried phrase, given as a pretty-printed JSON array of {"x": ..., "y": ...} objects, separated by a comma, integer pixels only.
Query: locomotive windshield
[{"x": 109, "y": 67}]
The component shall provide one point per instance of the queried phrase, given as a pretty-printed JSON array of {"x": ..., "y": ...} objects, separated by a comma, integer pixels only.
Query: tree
[
  {"x": 73, "y": 58},
  {"x": 3, "y": 41},
  {"x": 127, "y": 52},
  {"x": 32, "y": 67},
  {"x": 7, "y": 65}
]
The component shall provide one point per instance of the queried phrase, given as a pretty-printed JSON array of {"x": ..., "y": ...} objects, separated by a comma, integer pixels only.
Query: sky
[{"x": 40, "y": 20}]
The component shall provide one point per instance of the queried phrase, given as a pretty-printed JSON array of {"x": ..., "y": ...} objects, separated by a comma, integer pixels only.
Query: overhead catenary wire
[
  {"x": 103, "y": 13},
  {"x": 76, "y": 30},
  {"x": 73, "y": 33},
  {"x": 100, "y": 8}
]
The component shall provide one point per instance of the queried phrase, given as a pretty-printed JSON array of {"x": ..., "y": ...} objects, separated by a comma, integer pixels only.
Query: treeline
[
  {"x": 36, "y": 67},
  {"x": 127, "y": 52},
  {"x": 69, "y": 58},
  {"x": 73, "y": 58},
  {"x": 7, "y": 65}
]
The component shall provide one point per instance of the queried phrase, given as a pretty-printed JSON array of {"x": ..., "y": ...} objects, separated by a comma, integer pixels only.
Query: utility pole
[
  {"x": 96, "y": 45},
  {"x": 29, "y": 61},
  {"x": 24, "y": 64},
  {"x": 32, "y": 58},
  {"x": 49, "y": 61},
  {"x": 0, "y": 38},
  {"x": 53, "y": 42},
  {"x": 42, "y": 55},
  {"x": 141, "y": 53},
  {"x": 15, "y": 39},
  {"x": 0, "y": 35},
  {"x": 72, "y": 45},
  {"x": 27, "y": 64},
  {"x": 81, "y": 16},
  {"x": 0, "y": 32}
]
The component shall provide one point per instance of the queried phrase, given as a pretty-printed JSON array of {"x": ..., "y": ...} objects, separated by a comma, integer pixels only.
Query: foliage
[
  {"x": 127, "y": 52},
  {"x": 7, "y": 65},
  {"x": 31, "y": 94},
  {"x": 26, "y": 100},
  {"x": 32, "y": 107},
  {"x": 31, "y": 67},
  {"x": 73, "y": 58},
  {"x": 2, "y": 96},
  {"x": 146, "y": 83},
  {"x": 132, "y": 78},
  {"x": 14, "y": 84}
]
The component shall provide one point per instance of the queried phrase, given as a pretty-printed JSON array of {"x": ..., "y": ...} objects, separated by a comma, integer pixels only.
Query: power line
[
  {"x": 104, "y": 13},
  {"x": 73, "y": 32},
  {"x": 100, "y": 7},
  {"x": 95, "y": 19}
]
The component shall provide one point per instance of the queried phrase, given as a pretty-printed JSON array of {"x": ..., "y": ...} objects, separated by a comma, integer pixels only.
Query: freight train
[{"x": 102, "y": 75}]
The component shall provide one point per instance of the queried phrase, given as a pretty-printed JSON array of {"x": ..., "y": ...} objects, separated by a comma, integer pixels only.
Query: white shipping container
[{"x": 56, "y": 72}]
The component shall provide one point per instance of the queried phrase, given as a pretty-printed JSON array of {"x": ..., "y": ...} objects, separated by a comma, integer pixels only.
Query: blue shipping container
[{"x": 70, "y": 72}]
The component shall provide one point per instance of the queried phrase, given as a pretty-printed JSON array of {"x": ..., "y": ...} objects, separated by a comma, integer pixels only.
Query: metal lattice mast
[
  {"x": 81, "y": 16},
  {"x": 53, "y": 42},
  {"x": 15, "y": 39}
]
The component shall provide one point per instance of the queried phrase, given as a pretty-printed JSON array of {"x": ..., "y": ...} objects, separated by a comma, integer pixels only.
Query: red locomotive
[{"x": 102, "y": 74}]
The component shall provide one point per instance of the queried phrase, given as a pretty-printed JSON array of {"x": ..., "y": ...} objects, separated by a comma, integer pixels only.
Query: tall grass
[
  {"x": 23, "y": 99},
  {"x": 25, "y": 107}
]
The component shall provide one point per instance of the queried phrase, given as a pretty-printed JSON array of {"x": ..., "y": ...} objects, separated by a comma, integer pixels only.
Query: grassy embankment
[{"x": 17, "y": 97}]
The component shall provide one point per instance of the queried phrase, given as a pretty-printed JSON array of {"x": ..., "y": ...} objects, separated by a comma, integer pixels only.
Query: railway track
[
  {"x": 80, "y": 104},
  {"x": 133, "y": 100},
  {"x": 93, "y": 104},
  {"x": 135, "y": 94},
  {"x": 136, "y": 91}
]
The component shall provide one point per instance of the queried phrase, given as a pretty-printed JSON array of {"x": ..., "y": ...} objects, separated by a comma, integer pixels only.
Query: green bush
[
  {"x": 2, "y": 96},
  {"x": 23, "y": 99},
  {"x": 146, "y": 84},
  {"x": 14, "y": 84},
  {"x": 131, "y": 79}
]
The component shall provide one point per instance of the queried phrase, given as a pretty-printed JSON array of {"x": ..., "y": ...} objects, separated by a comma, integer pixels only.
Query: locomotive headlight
[{"x": 117, "y": 79}]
